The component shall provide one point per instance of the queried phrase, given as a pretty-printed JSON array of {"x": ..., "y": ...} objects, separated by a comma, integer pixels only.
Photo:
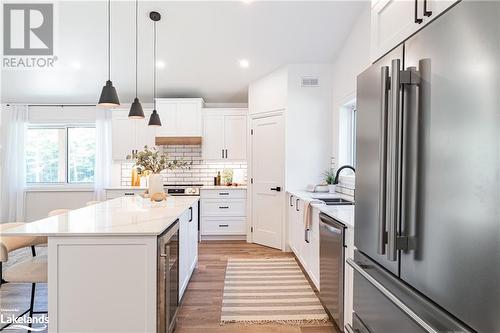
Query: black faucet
[{"x": 336, "y": 181}]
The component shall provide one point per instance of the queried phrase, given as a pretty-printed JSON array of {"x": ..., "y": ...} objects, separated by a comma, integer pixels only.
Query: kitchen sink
[{"x": 337, "y": 201}]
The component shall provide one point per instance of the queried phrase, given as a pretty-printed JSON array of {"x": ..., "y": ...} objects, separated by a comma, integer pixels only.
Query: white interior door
[{"x": 268, "y": 172}]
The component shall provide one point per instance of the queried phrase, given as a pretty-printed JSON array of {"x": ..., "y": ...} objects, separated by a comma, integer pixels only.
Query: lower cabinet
[
  {"x": 188, "y": 246},
  {"x": 223, "y": 213},
  {"x": 304, "y": 243}
]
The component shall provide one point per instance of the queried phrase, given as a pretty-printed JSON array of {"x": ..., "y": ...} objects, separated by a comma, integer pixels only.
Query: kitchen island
[{"x": 104, "y": 262}]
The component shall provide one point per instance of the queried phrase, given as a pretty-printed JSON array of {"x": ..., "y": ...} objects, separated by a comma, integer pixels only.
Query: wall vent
[{"x": 310, "y": 82}]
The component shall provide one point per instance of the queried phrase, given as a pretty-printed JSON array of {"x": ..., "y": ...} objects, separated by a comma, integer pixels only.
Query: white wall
[
  {"x": 39, "y": 203},
  {"x": 353, "y": 58}
]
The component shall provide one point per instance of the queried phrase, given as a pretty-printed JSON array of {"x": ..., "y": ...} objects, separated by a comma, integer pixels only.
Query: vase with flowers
[{"x": 150, "y": 162}]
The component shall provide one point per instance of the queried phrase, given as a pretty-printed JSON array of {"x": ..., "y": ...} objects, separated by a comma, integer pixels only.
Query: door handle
[
  {"x": 417, "y": 20},
  {"x": 427, "y": 13},
  {"x": 297, "y": 205},
  {"x": 277, "y": 189},
  {"x": 291, "y": 199},
  {"x": 191, "y": 218},
  {"x": 382, "y": 235},
  {"x": 394, "y": 160}
]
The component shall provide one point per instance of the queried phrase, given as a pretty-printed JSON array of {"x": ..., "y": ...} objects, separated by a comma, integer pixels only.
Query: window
[
  {"x": 347, "y": 134},
  {"x": 60, "y": 154}
]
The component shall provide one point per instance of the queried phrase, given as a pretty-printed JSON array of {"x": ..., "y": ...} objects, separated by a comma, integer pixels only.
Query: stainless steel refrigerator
[{"x": 427, "y": 214}]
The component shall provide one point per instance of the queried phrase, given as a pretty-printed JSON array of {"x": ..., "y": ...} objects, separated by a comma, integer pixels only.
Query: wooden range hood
[{"x": 177, "y": 140}]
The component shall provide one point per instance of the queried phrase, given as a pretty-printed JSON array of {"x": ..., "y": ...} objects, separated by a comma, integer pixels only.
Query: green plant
[
  {"x": 151, "y": 161},
  {"x": 329, "y": 176}
]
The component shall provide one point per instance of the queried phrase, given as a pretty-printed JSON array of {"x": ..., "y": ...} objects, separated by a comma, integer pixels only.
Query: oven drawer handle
[{"x": 390, "y": 296}]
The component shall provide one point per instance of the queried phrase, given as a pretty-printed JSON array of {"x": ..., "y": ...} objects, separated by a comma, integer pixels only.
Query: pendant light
[
  {"x": 136, "y": 111},
  {"x": 109, "y": 97},
  {"x": 154, "y": 119}
]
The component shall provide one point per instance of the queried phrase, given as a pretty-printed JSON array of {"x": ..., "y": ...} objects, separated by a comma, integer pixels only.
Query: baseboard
[{"x": 223, "y": 237}]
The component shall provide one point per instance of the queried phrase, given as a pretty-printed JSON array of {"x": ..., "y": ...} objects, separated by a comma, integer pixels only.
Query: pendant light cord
[
  {"x": 109, "y": 39},
  {"x": 154, "y": 64},
  {"x": 136, "y": 42}
]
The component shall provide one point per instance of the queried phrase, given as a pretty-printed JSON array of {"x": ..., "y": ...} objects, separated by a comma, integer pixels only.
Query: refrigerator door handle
[
  {"x": 410, "y": 80},
  {"x": 382, "y": 233},
  {"x": 394, "y": 156},
  {"x": 396, "y": 301}
]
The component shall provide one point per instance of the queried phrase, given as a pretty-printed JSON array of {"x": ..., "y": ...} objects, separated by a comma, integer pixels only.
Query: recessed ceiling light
[
  {"x": 76, "y": 65},
  {"x": 244, "y": 63},
  {"x": 160, "y": 64}
]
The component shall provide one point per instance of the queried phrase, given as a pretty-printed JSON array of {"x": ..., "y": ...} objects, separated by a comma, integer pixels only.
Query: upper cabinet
[
  {"x": 130, "y": 134},
  {"x": 393, "y": 21},
  {"x": 224, "y": 134},
  {"x": 179, "y": 117}
]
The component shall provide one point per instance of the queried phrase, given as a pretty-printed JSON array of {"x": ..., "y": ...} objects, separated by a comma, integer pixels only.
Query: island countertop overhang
[{"x": 124, "y": 216}]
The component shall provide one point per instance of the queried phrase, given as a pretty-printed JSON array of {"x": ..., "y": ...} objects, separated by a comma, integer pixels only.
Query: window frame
[{"x": 66, "y": 183}]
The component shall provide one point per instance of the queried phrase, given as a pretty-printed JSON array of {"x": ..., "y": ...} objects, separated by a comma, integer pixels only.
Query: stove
[{"x": 185, "y": 189}]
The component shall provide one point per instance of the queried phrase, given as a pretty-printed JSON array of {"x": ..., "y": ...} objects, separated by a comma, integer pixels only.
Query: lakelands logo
[
  {"x": 28, "y": 35},
  {"x": 24, "y": 322}
]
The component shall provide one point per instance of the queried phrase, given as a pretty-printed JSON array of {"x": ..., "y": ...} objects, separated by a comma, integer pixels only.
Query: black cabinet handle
[
  {"x": 226, "y": 153},
  {"x": 417, "y": 20},
  {"x": 223, "y": 193},
  {"x": 129, "y": 194},
  {"x": 306, "y": 235},
  {"x": 222, "y": 153},
  {"x": 191, "y": 218},
  {"x": 297, "y": 205},
  {"x": 427, "y": 13},
  {"x": 291, "y": 199},
  {"x": 277, "y": 189},
  {"x": 223, "y": 225},
  {"x": 223, "y": 207}
]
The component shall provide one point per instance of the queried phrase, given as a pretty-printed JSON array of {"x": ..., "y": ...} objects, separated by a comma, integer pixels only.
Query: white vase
[
  {"x": 155, "y": 184},
  {"x": 331, "y": 188}
]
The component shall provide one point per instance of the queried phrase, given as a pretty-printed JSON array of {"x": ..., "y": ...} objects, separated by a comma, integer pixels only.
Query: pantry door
[{"x": 268, "y": 173}]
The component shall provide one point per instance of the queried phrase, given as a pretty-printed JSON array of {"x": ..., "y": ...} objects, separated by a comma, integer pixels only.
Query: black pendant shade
[
  {"x": 136, "y": 111},
  {"x": 109, "y": 97},
  {"x": 154, "y": 119}
]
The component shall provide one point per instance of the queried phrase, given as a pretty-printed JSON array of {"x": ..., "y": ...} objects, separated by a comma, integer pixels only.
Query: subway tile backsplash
[{"x": 200, "y": 172}]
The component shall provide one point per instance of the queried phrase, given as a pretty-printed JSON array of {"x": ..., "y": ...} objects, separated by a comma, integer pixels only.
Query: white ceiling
[{"x": 201, "y": 44}]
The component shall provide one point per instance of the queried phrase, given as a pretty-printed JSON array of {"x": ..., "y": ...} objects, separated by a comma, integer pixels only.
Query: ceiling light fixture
[
  {"x": 109, "y": 97},
  {"x": 136, "y": 111},
  {"x": 154, "y": 119},
  {"x": 244, "y": 63}
]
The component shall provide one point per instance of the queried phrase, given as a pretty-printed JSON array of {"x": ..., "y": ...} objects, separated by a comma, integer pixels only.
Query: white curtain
[
  {"x": 103, "y": 160},
  {"x": 13, "y": 166}
]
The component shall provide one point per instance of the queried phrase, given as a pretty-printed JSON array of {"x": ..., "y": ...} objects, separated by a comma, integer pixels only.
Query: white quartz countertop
[
  {"x": 124, "y": 216},
  {"x": 223, "y": 187},
  {"x": 341, "y": 213}
]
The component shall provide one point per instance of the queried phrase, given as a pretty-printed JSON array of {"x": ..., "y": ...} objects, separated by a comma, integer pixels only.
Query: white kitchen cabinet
[
  {"x": 130, "y": 134},
  {"x": 213, "y": 138},
  {"x": 180, "y": 117},
  {"x": 304, "y": 243},
  {"x": 393, "y": 21},
  {"x": 117, "y": 193},
  {"x": 223, "y": 212},
  {"x": 224, "y": 134},
  {"x": 188, "y": 246}
]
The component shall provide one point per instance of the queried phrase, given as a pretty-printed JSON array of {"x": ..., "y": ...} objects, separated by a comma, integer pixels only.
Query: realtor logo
[{"x": 28, "y": 29}]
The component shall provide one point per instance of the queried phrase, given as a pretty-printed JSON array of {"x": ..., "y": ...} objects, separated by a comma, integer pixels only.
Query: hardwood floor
[{"x": 200, "y": 309}]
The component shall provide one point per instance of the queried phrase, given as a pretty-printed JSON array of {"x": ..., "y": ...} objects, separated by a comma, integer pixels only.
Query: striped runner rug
[{"x": 270, "y": 290}]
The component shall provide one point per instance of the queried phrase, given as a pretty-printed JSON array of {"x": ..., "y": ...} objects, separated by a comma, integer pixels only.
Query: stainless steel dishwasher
[{"x": 331, "y": 265}]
